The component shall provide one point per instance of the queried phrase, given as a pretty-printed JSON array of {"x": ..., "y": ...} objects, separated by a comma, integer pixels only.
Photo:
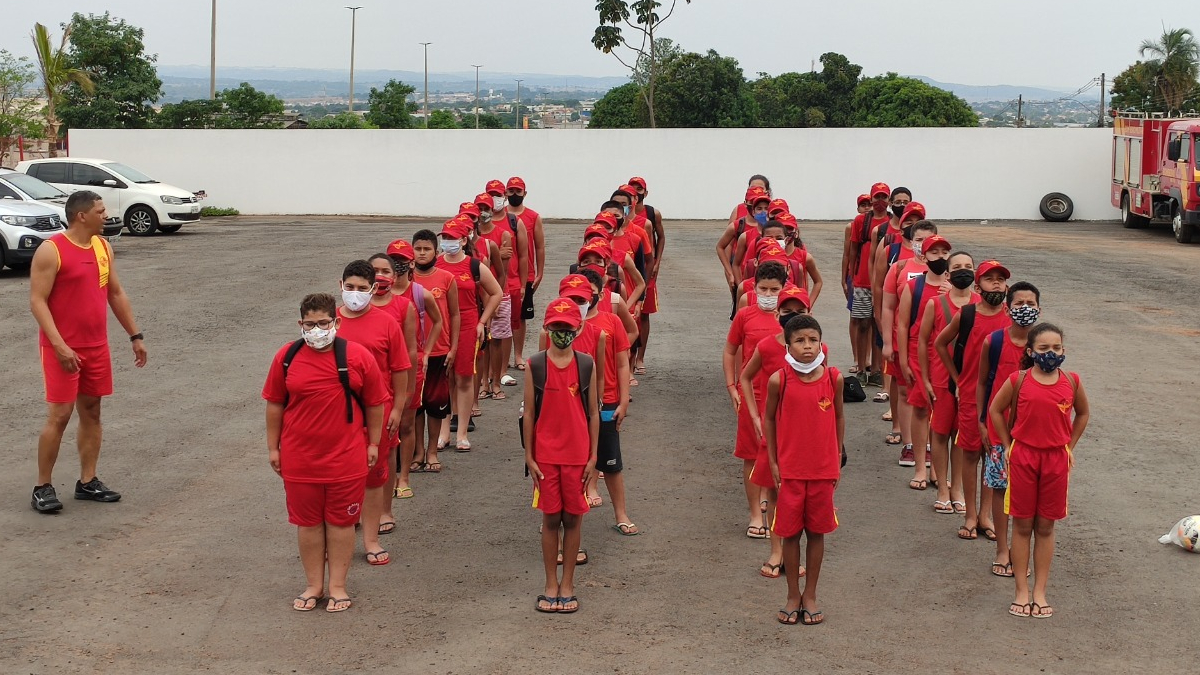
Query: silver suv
[
  {"x": 23, "y": 227},
  {"x": 17, "y": 186}
]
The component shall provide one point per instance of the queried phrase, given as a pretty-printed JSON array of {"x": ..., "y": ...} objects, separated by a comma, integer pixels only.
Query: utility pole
[
  {"x": 519, "y": 103},
  {"x": 1020, "y": 107},
  {"x": 426, "y": 46},
  {"x": 1102, "y": 92},
  {"x": 476, "y": 95},
  {"x": 353, "y": 29},
  {"x": 212, "y": 61}
]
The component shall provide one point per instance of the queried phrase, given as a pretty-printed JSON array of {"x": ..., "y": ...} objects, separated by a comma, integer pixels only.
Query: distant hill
[{"x": 972, "y": 93}]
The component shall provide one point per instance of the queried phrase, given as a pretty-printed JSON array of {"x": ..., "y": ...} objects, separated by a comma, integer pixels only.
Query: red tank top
[
  {"x": 799, "y": 257},
  {"x": 1010, "y": 362},
  {"x": 468, "y": 294},
  {"x": 742, "y": 211},
  {"x": 969, "y": 377},
  {"x": 928, "y": 292},
  {"x": 945, "y": 310},
  {"x": 1045, "y": 412},
  {"x": 528, "y": 218},
  {"x": 771, "y": 358},
  {"x": 79, "y": 298},
  {"x": 511, "y": 282},
  {"x": 438, "y": 283},
  {"x": 806, "y": 427},
  {"x": 562, "y": 428}
]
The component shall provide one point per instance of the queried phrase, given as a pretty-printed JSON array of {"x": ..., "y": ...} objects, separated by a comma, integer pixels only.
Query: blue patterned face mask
[
  {"x": 1048, "y": 361},
  {"x": 761, "y": 218},
  {"x": 1024, "y": 315}
]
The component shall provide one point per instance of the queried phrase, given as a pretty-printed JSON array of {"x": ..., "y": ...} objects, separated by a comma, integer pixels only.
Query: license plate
[{"x": 195, "y": 208}]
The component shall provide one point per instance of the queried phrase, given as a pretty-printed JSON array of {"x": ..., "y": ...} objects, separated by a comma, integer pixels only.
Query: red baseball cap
[
  {"x": 864, "y": 199},
  {"x": 989, "y": 265},
  {"x": 755, "y": 194},
  {"x": 638, "y": 181},
  {"x": 596, "y": 231},
  {"x": 606, "y": 218},
  {"x": 793, "y": 292},
  {"x": 788, "y": 220},
  {"x": 880, "y": 188},
  {"x": 483, "y": 199},
  {"x": 913, "y": 208},
  {"x": 629, "y": 190},
  {"x": 936, "y": 241},
  {"x": 576, "y": 287},
  {"x": 469, "y": 208},
  {"x": 596, "y": 247},
  {"x": 778, "y": 206},
  {"x": 401, "y": 249},
  {"x": 768, "y": 250},
  {"x": 515, "y": 183},
  {"x": 494, "y": 187},
  {"x": 564, "y": 310},
  {"x": 456, "y": 227}
]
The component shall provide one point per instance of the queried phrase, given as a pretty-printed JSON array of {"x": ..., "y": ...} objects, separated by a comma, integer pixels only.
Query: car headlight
[
  {"x": 23, "y": 221},
  {"x": 168, "y": 199}
]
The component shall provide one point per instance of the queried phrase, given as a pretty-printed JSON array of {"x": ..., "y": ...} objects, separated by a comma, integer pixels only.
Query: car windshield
[
  {"x": 132, "y": 175},
  {"x": 34, "y": 187}
]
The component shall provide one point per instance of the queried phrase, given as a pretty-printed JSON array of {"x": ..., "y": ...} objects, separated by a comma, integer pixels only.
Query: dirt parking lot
[{"x": 194, "y": 570}]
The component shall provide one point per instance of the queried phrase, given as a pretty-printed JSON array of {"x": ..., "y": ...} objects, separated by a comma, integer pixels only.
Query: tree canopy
[
  {"x": 703, "y": 90},
  {"x": 242, "y": 108},
  {"x": 111, "y": 52},
  {"x": 20, "y": 114},
  {"x": 894, "y": 101},
  {"x": 389, "y": 108},
  {"x": 1175, "y": 65}
]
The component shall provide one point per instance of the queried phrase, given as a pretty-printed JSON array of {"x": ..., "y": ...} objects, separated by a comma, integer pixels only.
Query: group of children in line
[{"x": 956, "y": 350}]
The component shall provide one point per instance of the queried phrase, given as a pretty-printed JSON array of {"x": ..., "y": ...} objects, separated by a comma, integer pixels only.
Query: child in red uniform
[
  {"x": 405, "y": 313},
  {"x": 561, "y": 433},
  {"x": 435, "y": 399},
  {"x": 804, "y": 432},
  {"x": 1041, "y": 436},
  {"x": 768, "y": 358},
  {"x": 376, "y": 330},
  {"x": 536, "y": 252},
  {"x": 658, "y": 238},
  {"x": 505, "y": 231},
  {"x": 750, "y": 325},
  {"x": 317, "y": 442},
  {"x": 758, "y": 198},
  {"x": 862, "y": 300},
  {"x": 985, "y": 316},
  {"x": 1024, "y": 307},
  {"x": 936, "y": 380}
]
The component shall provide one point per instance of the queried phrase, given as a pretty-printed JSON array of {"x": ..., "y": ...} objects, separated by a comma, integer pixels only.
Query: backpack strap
[
  {"x": 866, "y": 226},
  {"x": 288, "y": 357},
  {"x": 585, "y": 365},
  {"x": 947, "y": 313},
  {"x": 537, "y": 371},
  {"x": 343, "y": 369},
  {"x": 995, "y": 347},
  {"x": 1012, "y": 409},
  {"x": 475, "y": 265},
  {"x": 917, "y": 294},
  {"x": 966, "y": 321},
  {"x": 419, "y": 302}
]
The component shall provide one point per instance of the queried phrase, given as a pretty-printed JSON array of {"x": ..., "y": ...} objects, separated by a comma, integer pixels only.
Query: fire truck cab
[{"x": 1154, "y": 172}]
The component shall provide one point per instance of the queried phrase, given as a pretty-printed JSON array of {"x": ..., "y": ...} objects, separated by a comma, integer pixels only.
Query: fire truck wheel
[
  {"x": 1056, "y": 207},
  {"x": 1128, "y": 217},
  {"x": 1184, "y": 231}
]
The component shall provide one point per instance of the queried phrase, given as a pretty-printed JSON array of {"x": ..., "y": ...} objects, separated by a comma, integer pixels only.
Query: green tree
[
  {"x": 785, "y": 100},
  {"x": 20, "y": 114},
  {"x": 894, "y": 101},
  {"x": 442, "y": 119},
  {"x": 346, "y": 120},
  {"x": 621, "y": 108},
  {"x": 126, "y": 83},
  {"x": 704, "y": 90},
  {"x": 840, "y": 80},
  {"x": 1176, "y": 57},
  {"x": 389, "y": 108},
  {"x": 643, "y": 50},
  {"x": 190, "y": 114},
  {"x": 56, "y": 74},
  {"x": 486, "y": 121},
  {"x": 249, "y": 108}
]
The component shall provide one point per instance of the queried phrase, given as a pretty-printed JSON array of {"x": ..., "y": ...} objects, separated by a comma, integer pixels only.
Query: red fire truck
[{"x": 1154, "y": 171}]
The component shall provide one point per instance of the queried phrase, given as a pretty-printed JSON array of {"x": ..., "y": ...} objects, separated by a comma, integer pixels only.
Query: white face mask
[
  {"x": 485, "y": 216},
  {"x": 498, "y": 203},
  {"x": 319, "y": 338},
  {"x": 356, "y": 301},
  {"x": 805, "y": 368},
  {"x": 782, "y": 242},
  {"x": 583, "y": 310},
  {"x": 451, "y": 246},
  {"x": 768, "y": 303}
]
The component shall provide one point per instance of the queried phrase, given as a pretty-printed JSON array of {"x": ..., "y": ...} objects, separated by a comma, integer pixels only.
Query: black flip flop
[
  {"x": 564, "y": 601},
  {"x": 788, "y": 618},
  {"x": 812, "y": 616},
  {"x": 551, "y": 609}
]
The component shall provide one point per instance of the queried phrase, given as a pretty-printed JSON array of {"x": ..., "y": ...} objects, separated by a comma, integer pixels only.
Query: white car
[
  {"x": 21, "y": 187},
  {"x": 23, "y": 227},
  {"x": 146, "y": 205}
]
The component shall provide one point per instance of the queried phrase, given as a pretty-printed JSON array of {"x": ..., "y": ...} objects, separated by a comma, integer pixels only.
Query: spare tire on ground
[{"x": 1056, "y": 207}]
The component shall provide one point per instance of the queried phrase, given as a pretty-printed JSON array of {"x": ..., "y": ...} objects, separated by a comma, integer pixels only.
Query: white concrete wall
[{"x": 693, "y": 173}]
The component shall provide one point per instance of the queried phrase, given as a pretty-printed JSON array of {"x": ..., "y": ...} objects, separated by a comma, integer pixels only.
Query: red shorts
[
  {"x": 893, "y": 368},
  {"x": 968, "y": 428},
  {"x": 560, "y": 489},
  {"x": 945, "y": 411},
  {"x": 761, "y": 476},
  {"x": 377, "y": 476},
  {"x": 746, "y": 445},
  {"x": 650, "y": 306},
  {"x": 94, "y": 377},
  {"x": 1037, "y": 482},
  {"x": 916, "y": 397},
  {"x": 414, "y": 401},
  {"x": 804, "y": 505},
  {"x": 468, "y": 348},
  {"x": 518, "y": 298},
  {"x": 337, "y": 504}
]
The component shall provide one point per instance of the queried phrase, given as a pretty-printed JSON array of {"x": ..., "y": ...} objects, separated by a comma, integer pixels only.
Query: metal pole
[
  {"x": 476, "y": 95},
  {"x": 212, "y": 65},
  {"x": 353, "y": 30},
  {"x": 1102, "y": 92},
  {"x": 426, "y": 45},
  {"x": 519, "y": 103},
  {"x": 1020, "y": 106}
]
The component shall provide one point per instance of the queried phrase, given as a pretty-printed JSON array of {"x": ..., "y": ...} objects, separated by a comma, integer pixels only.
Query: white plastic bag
[{"x": 1185, "y": 534}]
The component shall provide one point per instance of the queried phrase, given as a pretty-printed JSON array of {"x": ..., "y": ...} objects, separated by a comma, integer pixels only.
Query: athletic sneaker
[
  {"x": 875, "y": 379},
  {"x": 907, "y": 457},
  {"x": 45, "y": 499},
  {"x": 95, "y": 491},
  {"x": 862, "y": 377}
]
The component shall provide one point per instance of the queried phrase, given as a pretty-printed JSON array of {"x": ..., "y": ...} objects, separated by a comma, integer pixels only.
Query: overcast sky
[{"x": 1048, "y": 44}]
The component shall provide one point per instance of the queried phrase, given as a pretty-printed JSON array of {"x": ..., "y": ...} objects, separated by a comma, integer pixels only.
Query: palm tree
[
  {"x": 1177, "y": 58},
  {"x": 57, "y": 75}
]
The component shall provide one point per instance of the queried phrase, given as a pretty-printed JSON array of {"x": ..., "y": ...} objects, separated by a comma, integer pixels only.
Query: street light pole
[
  {"x": 353, "y": 30},
  {"x": 476, "y": 95},
  {"x": 426, "y": 46},
  {"x": 212, "y": 65},
  {"x": 519, "y": 103}
]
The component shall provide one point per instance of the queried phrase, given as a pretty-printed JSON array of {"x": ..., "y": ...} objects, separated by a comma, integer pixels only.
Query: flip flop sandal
[
  {"x": 520, "y": 366},
  {"x": 808, "y": 618},
  {"x": 887, "y": 416},
  {"x": 463, "y": 446},
  {"x": 476, "y": 412},
  {"x": 882, "y": 397},
  {"x": 1005, "y": 570},
  {"x": 788, "y": 618},
  {"x": 499, "y": 396},
  {"x": 373, "y": 558},
  {"x": 304, "y": 600},
  {"x": 429, "y": 468},
  {"x": 776, "y": 571},
  {"x": 1040, "y": 611},
  {"x": 959, "y": 507},
  {"x": 915, "y": 484},
  {"x": 892, "y": 438},
  {"x": 581, "y": 558},
  {"x": 553, "y": 602},
  {"x": 387, "y": 528},
  {"x": 418, "y": 467},
  {"x": 333, "y": 608},
  {"x": 508, "y": 381},
  {"x": 762, "y": 506},
  {"x": 970, "y": 533},
  {"x": 595, "y": 501},
  {"x": 945, "y": 507},
  {"x": 402, "y": 493},
  {"x": 640, "y": 370},
  {"x": 633, "y": 382},
  {"x": 759, "y": 532},
  {"x": 563, "y": 603},
  {"x": 853, "y": 370},
  {"x": 1017, "y": 609},
  {"x": 627, "y": 529},
  {"x": 987, "y": 532},
  {"x": 485, "y": 395}
]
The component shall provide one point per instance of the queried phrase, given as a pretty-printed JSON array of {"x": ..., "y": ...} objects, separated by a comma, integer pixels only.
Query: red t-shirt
[
  {"x": 317, "y": 445},
  {"x": 750, "y": 326},
  {"x": 1045, "y": 413},
  {"x": 799, "y": 273},
  {"x": 79, "y": 298},
  {"x": 944, "y": 310},
  {"x": 969, "y": 377},
  {"x": 467, "y": 292},
  {"x": 616, "y": 341},
  {"x": 628, "y": 244},
  {"x": 1010, "y": 362},
  {"x": 528, "y": 218},
  {"x": 928, "y": 292},
  {"x": 905, "y": 264},
  {"x": 562, "y": 428},
  {"x": 862, "y": 275},
  {"x": 438, "y": 282},
  {"x": 397, "y": 308},
  {"x": 587, "y": 340},
  {"x": 806, "y": 443},
  {"x": 378, "y": 331}
]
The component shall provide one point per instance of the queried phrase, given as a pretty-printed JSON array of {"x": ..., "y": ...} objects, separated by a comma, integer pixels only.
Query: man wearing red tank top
[
  {"x": 72, "y": 278},
  {"x": 536, "y": 251}
]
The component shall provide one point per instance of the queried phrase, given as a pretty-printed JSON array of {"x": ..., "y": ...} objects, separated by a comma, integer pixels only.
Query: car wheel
[
  {"x": 141, "y": 221},
  {"x": 169, "y": 229},
  {"x": 1128, "y": 217},
  {"x": 1183, "y": 231},
  {"x": 1056, "y": 207}
]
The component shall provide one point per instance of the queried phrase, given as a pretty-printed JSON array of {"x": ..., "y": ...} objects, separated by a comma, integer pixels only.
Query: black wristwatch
[{"x": 136, "y": 336}]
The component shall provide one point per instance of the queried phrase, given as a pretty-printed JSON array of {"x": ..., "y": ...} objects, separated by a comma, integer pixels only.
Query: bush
[{"x": 216, "y": 211}]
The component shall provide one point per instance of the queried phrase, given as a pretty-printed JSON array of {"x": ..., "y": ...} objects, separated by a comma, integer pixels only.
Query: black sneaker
[
  {"x": 470, "y": 426},
  {"x": 453, "y": 423},
  {"x": 45, "y": 499},
  {"x": 95, "y": 491}
]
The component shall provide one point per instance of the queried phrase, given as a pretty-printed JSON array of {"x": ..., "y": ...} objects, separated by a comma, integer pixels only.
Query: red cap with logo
[
  {"x": 990, "y": 265},
  {"x": 936, "y": 241},
  {"x": 469, "y": 208},
  {"x": 495, "y": 188},
  {"x": 768, "y": 250},
  {"x": 787, "y": 220},
  {"x": 865, "y": 199},
  {"x": 793, "y": 292},
  {"x": 596, "y": 231},
  {"x": 881, "y": 189},
  {"x": 638, "y": 181},
  {"x": 457, "y": 227},
  {"x": 576, "y": 287},
  {"x": 564, "y": 311},
  {"x": 515, "y": 183},
  {"x": 755, "y": 194},
  {"x": 628, "y": 190},
  {"x": 777, "y": 206},
  {"x": 483, "y": 200},
  {"x": 401, "y": 249},
  {"x": 597, "y": 247},
  {"x": 914, "y": 208},
  {"x": 606, "y": 218}
]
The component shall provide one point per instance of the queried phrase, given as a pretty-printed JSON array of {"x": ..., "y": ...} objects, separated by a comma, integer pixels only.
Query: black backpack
[
  {"x": 537, "y": 372},
  {"x": 339, "y": 356},
  {"x": 966, "y": 322}
]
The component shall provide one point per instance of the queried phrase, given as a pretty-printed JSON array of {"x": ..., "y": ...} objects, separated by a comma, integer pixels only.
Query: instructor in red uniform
[{"x": 72, "y": 279}]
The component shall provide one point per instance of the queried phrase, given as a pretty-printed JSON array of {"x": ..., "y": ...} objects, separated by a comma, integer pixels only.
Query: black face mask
[
  {"x": 908, "y": 232},
  {"x": 785, "y": 318},
  {"x": 938, "y": 266},
  {"x": 993, "y": 298},
  {"x": 425, "y": 268},
  {"x": 516, "y": 200},
  {"x": 962, "y": 279},
  {"x": 595, "y": 299},
  {"x": 898, "y": 211}
]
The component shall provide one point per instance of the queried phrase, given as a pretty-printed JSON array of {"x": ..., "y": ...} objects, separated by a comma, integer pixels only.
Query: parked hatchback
[
  {"x": 146, "y": 205},
  {"x": 18, "y": 186},
  {"x": 23, "y": 227}
]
